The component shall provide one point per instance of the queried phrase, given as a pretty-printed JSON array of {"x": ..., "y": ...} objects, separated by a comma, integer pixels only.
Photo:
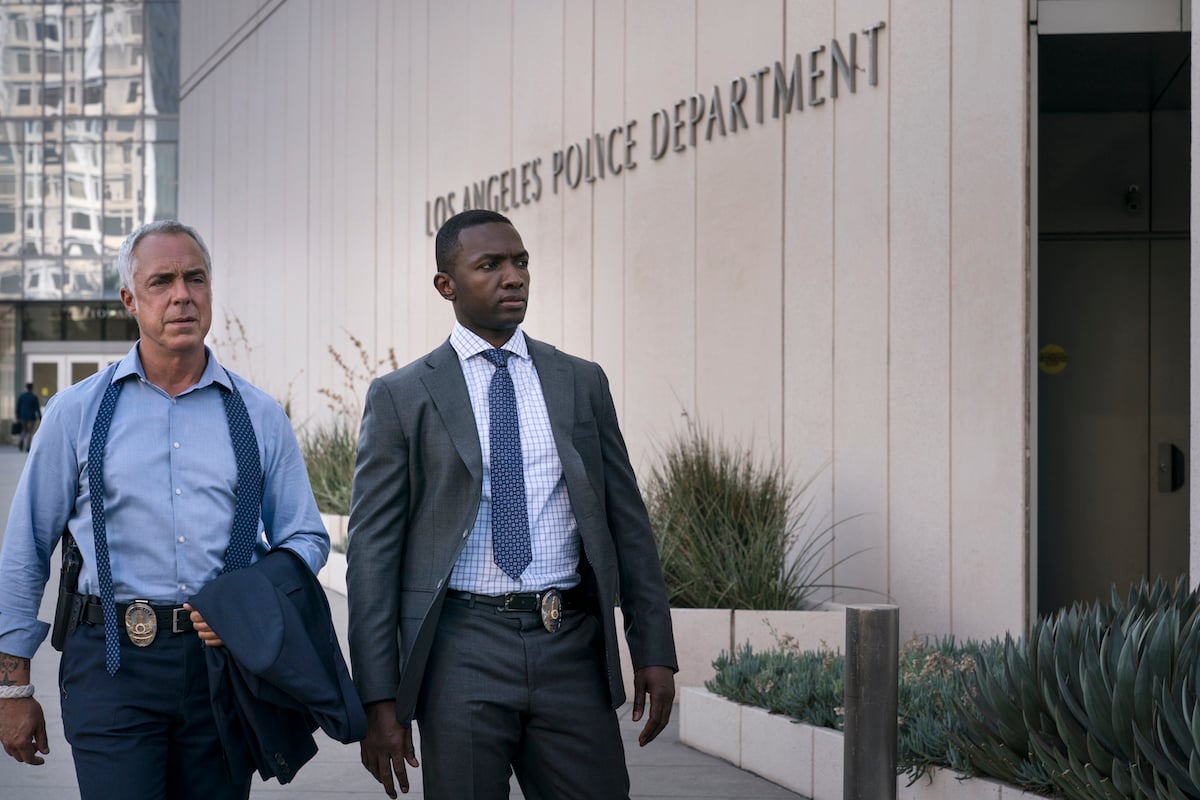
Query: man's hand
[
  {"x": 22, "y": 723},
  {"x": 659, "y": 683},
  {"x": 206, "y": 634},
  {"x": 387, "y": 746},
  {"x": 23, "y": 730}
]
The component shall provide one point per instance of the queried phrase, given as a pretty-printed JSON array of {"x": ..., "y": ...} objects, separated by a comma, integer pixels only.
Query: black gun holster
[{"x": 69, "y": 611}]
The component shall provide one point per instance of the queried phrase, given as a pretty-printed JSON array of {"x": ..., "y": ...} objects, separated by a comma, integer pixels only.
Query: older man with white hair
[{"x": 167, "y": 470}]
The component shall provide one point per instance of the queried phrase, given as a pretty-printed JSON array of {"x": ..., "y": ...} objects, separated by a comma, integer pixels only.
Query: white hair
[{"x": 167, "y": 226}]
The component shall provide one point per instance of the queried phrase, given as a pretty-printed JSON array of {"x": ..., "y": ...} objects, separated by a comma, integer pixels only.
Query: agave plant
[{"x": 1098, "y": 702}]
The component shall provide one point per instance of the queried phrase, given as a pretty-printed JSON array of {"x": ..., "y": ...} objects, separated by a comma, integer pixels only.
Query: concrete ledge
[
  {"x": 803, "y": 758},
  {"x": 333, "y": 575},
  {"x": 701, "y": 634},
  {"x": 336, "y": 525}
]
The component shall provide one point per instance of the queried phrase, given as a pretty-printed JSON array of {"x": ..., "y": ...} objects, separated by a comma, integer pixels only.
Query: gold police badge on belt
[
  {"x": 141, "y": 623},
  {"x": 552, "y": 610}
]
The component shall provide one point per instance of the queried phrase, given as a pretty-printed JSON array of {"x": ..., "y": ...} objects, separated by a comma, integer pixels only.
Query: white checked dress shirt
[{"x": 554, "y": 534}]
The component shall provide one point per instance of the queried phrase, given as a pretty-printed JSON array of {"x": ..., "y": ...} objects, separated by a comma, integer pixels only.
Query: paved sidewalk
[{"x": 664, "y": 769}]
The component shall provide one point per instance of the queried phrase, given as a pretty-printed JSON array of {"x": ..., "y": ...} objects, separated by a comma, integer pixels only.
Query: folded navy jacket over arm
[{"x": 281, "y": 673}]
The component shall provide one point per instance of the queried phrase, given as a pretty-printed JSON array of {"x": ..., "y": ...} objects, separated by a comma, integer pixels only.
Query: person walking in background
[
  {"x": 166, "y": 469},
  {"x": 29, "y": 411},
  {"x": 495, "y": 521}
]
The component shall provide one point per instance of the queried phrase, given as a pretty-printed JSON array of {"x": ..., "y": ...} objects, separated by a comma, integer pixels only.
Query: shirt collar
[
  {"x": 131, "y": 364},
  {"x": 467, "y": 344}
]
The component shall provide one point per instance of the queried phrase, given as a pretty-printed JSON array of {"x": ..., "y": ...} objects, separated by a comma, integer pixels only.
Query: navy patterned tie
[
  {"x": 510, "y": 517},
  {"x": 248, "y": 505},
  {"x": 246, "y": 512}
]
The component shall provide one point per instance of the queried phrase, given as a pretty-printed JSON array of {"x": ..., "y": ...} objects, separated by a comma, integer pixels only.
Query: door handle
[{"x": 1171, "y": 468}]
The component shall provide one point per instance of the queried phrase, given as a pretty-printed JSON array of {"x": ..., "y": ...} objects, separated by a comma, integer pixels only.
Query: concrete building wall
[{"x": 845, "y": 285}]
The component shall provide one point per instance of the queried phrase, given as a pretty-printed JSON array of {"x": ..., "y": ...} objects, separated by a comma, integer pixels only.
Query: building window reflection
[
  {"x": 88, "y": 149},
  {"x": 89, "y": 104}
]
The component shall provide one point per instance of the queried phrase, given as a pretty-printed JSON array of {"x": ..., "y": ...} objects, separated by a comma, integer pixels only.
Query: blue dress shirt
[{"x": 170, "y": 478}]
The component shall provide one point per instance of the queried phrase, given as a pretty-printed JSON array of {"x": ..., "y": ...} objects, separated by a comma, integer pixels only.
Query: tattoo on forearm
[{"x": 9, "y": 665}]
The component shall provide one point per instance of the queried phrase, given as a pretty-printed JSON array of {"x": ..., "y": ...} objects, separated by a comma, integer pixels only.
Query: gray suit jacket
[{"x": 417, "y": 488}]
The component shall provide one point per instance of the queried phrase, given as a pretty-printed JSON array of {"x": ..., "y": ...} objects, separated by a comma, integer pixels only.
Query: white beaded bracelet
[{"x": 16, "y": 692}]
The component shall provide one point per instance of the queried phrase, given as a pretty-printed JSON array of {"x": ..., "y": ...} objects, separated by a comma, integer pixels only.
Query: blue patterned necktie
[
  {"x": 247, "y": 506},
  {"x": 246, "y": 512},
  {"x": 510, "y": 517}
]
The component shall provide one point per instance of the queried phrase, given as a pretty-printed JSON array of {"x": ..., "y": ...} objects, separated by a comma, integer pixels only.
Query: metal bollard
[{"x": 872, "y": 671}]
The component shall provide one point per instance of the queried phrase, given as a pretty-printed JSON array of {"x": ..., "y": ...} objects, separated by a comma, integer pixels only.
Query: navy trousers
[
  {"x": 146, "y": 733},
  {"x": 503, "y": 695}
]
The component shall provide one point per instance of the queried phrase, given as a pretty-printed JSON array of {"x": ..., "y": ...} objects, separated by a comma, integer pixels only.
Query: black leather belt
[
  {"x": 171, "y": 619},
  {"x": 574, "y": 598}
]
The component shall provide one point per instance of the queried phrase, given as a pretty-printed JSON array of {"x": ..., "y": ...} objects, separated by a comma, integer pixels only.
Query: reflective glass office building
[{"x": 89, "y": 106}]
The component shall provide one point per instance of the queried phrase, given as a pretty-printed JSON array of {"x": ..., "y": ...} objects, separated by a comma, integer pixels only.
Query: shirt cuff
[{"x": 21, "y": 636}]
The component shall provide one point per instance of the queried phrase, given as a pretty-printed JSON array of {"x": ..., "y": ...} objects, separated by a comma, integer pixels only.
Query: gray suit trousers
[{"x": 499, "y": 689}]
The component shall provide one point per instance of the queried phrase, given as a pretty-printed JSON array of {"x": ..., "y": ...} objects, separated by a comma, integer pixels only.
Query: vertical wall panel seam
[
  {"x": 624, "y": 326},
  {"x": 950, "y": 321},
  {"x": 833, "y": 226},
  {"x": 341, "y": 135},
  {"x": 375, "y": 176},
  {"x": 591, "y": 274},
  {"x": 428, "y": 191},
  {"x": 428, "y": 137},
  {"x": 887, "y": 464},
  {"x": 1031, "y": 320},
  {"x": 695, "y": 219},
  {"x": 783, "y": 221},
  {"x": 562, "y": 244},
  {"x": 308, "y": 192}
]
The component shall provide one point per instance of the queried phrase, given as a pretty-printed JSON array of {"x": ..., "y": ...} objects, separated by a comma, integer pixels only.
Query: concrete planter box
[
  {"x": 802, "y": 758},
  {"x": 702, "y": 633},
  {"x": 333, "y": 575},
  {"x": 336, "y": 524}
]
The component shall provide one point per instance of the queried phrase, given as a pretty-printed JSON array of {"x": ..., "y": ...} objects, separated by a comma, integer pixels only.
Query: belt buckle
[
  {"x": 514, "y": 601},
  {"x": 141, "y": 623},
  {"x": 177, "y": 614},
  {"x": 551, "y": 608}
]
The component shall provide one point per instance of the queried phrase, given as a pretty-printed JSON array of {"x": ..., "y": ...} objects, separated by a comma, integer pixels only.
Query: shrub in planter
[
  {"x": 805, "y": 685},
  {"x": 329, "y": 452},
  {"x": 329, "y": 449},
  {"x": 931, "y": 677},
  {"x": 808, "y": 686},
  {"x": 732, "y": 531}
]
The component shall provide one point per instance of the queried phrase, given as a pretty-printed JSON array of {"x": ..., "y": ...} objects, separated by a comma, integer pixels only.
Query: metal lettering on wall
[{"x": 815, "y": 75}]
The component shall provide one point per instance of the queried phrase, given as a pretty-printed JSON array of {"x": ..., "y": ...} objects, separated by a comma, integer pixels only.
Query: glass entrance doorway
[
  {"x": 1113, "y": 348},
  {"x": 53, "y": 372}
]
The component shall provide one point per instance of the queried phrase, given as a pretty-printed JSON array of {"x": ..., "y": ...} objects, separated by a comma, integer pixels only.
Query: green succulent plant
[{"x": 1097, "y": 702}]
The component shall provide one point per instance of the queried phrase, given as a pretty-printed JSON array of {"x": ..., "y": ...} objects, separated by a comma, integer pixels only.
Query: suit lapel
[
  {"x": 558, "y": 389},
  {"x": 446, "y": 386}
]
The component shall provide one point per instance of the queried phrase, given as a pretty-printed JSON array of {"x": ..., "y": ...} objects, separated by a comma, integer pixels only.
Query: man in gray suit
[{"x": 494, "y": 524}]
